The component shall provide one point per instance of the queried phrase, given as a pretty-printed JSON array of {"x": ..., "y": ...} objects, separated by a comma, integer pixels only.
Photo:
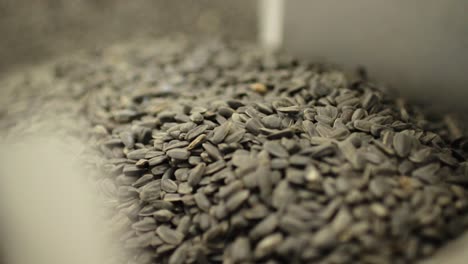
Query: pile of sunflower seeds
[{"x": 221, "y": 153}]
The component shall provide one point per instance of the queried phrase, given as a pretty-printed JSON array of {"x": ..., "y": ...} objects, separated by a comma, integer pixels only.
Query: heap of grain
[{"x": 221, "y": 153}]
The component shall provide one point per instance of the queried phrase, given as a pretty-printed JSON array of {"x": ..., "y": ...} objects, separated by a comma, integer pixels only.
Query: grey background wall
[
  {"x": 31, "y": 31},
  {"x": 419, "y": 47}
]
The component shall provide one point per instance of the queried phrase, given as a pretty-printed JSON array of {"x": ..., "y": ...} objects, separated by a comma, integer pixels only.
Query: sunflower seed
[
  {"x": 292, "y": 225},
  {"x": 236, "y": 200},
  {"x": 241, "y": 250},
  {"x": 427, "y": 173},
  {"x": 229, "y": 189},
  {"x": 169, "y": 235},
  {"x": 379, "y": 210},
  {"x": 264, "y": 227},
  {"x": 168, "y": 185},
  {"x": 212, "y": 151},
  {"x": 137, "y": 154},
  {"x": 172, "y": 197},
  {"x": 268, "y": 245},
  {"x": 289, "y": 109},
  {"x": 341, "y": 221},
  {"x": 253, "y": 125},
  {"x": 132, "y": 170},
  {"x": 184, "y": 225},
  {"x": 146, "y": 224},
  {"x": 298, "y": 160},
  {"x": 215, "y": 167},
  {"x": 363, "y": 125},
  {"x": 195, "y": 132},
  {"x": 178, "y": 154},
  {"x": 143, "y": 180},
  {"x": 324, "y": 238},
  {"x": 196, "y": 142},
  {"x": 196, "y": 118},
  {"x": 175, "y": 144},
  {"x": 369, "y": 100},
  {"x": 216, "y": 232},
  {"x": 195, "y": 174},
  {"x": 157, "y": 160},
  {"x": 180, "y": 254},
  {"x": 402, "y": 144},
  {"x": 151, "y": 191},
  {"x": 282, "y": 195},
  {"x": 202, "y": 201},
  {"x": 163, "y": 215},
  {"x": 272, "y": 121},
  {"x": 379, "y": 187},
  {"x": 219, "y": 133},
  {"x": 274, "y": 148}
]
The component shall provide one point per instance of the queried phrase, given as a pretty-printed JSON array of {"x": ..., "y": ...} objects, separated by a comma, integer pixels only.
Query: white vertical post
[{"x": 270, "y": 32}]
